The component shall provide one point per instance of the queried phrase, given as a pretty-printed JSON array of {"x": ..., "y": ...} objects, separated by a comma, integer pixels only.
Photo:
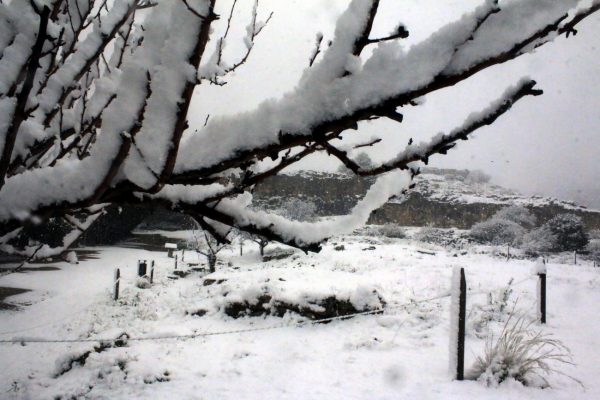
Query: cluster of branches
[{"x": 94, "y": 97}]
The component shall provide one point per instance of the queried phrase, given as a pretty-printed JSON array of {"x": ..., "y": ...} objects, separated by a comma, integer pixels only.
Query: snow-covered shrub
[
  {"x": 442, "y": 237},
  {"x": 593, "y": 247},
  {"x": 517, "y": 214},
  {"x": 497, "y": 231},
  {"x": 477, "y": 176},
  {"x": 562, "y": 233},
  {"x": 142, "y": 282},
  {"x": 506, "y": 226},
  {"x": 298, "y": 209},
  {"x": 392, "y": 231},
  {"x": 520, "y": 353},
  {"x": 539, "y": 241},
  {"x": 429, "y": 234}
]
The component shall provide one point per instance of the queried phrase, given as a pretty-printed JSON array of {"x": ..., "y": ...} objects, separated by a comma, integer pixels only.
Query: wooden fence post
[
  {"x": 152, "y": 271},
  {"x": 142, "y": 268},
  {"x": 508, "y": 253},
  {"x": 541, "y": 272},
  {"x": 458, "y": 322},
  {"x": 575, "y": 257},
  {"x": 175, "y": 261},
  {"x": 117, "y": 282}
]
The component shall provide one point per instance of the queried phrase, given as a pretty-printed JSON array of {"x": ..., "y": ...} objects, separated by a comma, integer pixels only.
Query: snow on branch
[
  {"x": 94, "y": 105},
  {"x": 305, "y": 235},
  {"x": 216, "y": 67},
  {"x": 441, "y": 143},
  {"x": 390, "y": 77}
]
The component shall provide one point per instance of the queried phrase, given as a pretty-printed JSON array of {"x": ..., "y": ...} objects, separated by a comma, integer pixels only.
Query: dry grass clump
[{"x": 521, "y": 353}]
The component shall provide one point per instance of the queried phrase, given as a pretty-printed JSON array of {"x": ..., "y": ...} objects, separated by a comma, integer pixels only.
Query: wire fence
[{"x": 291, "y": 324}]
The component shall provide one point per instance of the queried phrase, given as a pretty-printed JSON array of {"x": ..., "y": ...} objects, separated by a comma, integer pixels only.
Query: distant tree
[
  {"x": 208, "y": 241},
  {"x": 593, "y": 248},
  {"x": 517, "y": 214},
  {"x": 477, "y": 176},
  {"x": 496, "y": 231},
  {"x": 565, "y": 232},
  {"x": 506, "y": 226},
  {"x": 539, "y": 241},
  {"x": 262, "y": 243},
  {"x": 95, "y": 95},
  {"x": 298, "y": 209}
]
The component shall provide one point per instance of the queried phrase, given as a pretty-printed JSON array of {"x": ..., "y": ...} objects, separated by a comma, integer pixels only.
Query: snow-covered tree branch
[{"x": 95, "y": 95}]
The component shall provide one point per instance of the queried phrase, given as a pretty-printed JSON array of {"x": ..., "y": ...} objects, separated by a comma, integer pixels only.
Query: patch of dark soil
[
  {"x": 327, "y": 307},
  {"x": 277, "y": 255},
  {"x": 181, "y": 273},
  {"x": 197, "y": 313},
  {"x": 80, "y": 359},
  {"x": 208, "y": 281},
  {"x": 159, "y": 378}
]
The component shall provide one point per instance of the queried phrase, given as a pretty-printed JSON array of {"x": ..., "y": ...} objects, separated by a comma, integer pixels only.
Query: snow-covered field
[{"x": 400, "y": 354}]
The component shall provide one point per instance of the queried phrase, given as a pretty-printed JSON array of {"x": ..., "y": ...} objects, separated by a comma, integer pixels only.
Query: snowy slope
[
  {"x": 400, "y": 354},
  {"x": 455, "y": 187},
  {"x": 443, "y": 185}
]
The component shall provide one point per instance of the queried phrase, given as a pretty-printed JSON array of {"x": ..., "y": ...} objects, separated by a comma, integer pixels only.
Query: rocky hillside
[{"x": 441, "y": 198}]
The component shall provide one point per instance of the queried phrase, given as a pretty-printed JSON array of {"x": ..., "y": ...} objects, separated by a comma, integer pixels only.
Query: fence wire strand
[{"x": 295, "y": 324}]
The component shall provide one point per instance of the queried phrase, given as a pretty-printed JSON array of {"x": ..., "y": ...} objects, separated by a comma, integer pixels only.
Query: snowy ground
[{"x": 400, "y": 354}]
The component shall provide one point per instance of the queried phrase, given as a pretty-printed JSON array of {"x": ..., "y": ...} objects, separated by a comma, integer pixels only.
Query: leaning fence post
[
  {"x": 458, "y": 318},
  {"x": 152, "y": 271},
  {"x": 117, "y": 281},
  {"x": 541, "y": 272}
]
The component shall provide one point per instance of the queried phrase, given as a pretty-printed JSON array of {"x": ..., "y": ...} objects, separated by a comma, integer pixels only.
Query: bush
[
  {"x": 477, "y": 176},
  {"x": 298, "y": 209},
  {"x": 442, "y": 237},
  {"x": 539, "y": 241},
  {"x": 497, "y": 231},
  {"x": 392, "y": 231},
  {"x": 593, "y": 247},
  {"x": 562, "y": 233},
  {"x": 522, "y": 354},
  {"x": 517, "y": 214},
  {"x": 506, "y": 226}
]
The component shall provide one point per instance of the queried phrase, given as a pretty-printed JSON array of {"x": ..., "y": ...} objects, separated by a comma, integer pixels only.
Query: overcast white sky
[{"x": 546, "y": 145}]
